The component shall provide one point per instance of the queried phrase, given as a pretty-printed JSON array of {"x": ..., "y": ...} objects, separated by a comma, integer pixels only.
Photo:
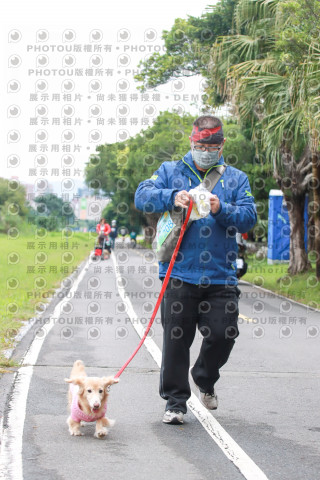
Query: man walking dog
[{"x": 202, "y": 289}]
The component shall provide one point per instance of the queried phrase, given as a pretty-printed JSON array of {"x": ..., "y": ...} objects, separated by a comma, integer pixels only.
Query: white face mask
[{"x": 205, "y": 159}]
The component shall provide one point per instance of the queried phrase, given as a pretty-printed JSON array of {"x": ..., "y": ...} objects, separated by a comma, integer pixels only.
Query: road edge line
[
  {"x": 11, "y": 435},
  {"x": 248, "y": 468},
  {"x": 280, "y": 296}
]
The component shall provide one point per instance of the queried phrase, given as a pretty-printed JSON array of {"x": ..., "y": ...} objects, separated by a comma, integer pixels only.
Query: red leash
[{"x": 164, "y": 286}]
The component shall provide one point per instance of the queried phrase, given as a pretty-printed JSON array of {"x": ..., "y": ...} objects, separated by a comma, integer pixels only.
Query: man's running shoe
[
  {"x": 175, "y": 418},
  {"x": 208, "y": 399}
]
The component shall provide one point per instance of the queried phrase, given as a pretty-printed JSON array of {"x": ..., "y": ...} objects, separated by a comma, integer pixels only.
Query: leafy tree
[
  {"x": 301, "y": 50},
  {"x": 49, "y": 204},
  {"x": 240, "y": 152},
  {"x": 53, "y": 212},
  {"x": 43, "y": 222},
  {"x": 117, "y": 169},
  {"x": 270, "y": 88},
  {"x": 266, "y": 66},
  {"x": 188, "y": 45},
  {"x": 13, "y": 205}
]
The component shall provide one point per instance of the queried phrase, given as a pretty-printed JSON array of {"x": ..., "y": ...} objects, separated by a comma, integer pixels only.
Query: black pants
[{"x": 214, "y": 309}]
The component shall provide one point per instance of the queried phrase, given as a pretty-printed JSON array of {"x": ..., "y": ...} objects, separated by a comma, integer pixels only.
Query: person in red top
[{"x": 103, "y": 229}]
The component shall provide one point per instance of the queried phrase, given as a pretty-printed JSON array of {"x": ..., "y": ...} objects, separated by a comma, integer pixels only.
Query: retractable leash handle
[{"x": 164, "y": 286}]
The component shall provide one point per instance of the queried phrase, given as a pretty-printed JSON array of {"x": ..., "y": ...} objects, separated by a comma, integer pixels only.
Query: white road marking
[
  {"x": 11, "y": 467},
  {"x": 229, "y": 447},
  {"x": 282, "y": 297},
  {"x": 246, "y": 319}
]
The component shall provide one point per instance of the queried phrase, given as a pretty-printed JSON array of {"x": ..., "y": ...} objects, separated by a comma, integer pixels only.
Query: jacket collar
[{"x": 191, "y": 169}]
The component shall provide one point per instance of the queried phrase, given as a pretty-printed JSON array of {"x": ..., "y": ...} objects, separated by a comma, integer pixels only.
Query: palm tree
[
  {"x": 312, "y": 116},
  {"x": 272, "y": 91},
  {"x": 281, "y": 133}
]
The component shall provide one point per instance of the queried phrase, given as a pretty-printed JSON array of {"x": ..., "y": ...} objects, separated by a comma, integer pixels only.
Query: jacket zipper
[
  {"x": 203, "y": 268},
  {"x": 208, "y": 171}
]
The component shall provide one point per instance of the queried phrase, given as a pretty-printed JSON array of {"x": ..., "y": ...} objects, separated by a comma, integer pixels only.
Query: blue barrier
[{"x": 279, "y": 228}]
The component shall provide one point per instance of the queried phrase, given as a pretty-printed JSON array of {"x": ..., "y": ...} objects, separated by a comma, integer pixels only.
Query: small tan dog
[{"x": 88, "y": 400}]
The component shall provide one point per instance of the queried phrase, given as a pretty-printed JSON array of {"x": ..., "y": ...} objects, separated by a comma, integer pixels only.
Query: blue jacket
[{"x": 209, "y": 249}]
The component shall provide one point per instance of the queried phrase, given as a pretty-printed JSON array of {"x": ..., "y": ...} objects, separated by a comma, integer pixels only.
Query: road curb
[{"x": 281, "y": 296}]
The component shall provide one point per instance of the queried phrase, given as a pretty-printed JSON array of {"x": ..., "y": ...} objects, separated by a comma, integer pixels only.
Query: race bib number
[{"x": 164, "y": 227}]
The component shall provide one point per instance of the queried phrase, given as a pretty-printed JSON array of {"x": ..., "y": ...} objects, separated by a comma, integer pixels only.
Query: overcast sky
[{"x": 53, "y": 115}]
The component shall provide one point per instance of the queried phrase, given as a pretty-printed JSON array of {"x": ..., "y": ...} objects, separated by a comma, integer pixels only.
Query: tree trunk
[
  {"x": 311, "y": 234},
  {"x": 298, "y": 262},
  {"x": 293, "y": 181},
  {"x": 316, "y": 208}
]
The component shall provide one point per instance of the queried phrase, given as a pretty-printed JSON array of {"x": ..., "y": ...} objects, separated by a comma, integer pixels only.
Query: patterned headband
[{"x": 211, "y": 135}]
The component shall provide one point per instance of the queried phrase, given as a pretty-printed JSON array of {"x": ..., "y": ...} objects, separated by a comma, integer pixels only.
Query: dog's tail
[
  {"x": 78, "y": 363},
  {"x": 78, "y": 369}
]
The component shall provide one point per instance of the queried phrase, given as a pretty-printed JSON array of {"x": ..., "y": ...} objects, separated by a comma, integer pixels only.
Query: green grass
[
  {"x": 37, "y": 269},
  {"x": 7, "y": 365},
  {"x": 19, "y": 304},
  {"x": 303, "y": 288}
]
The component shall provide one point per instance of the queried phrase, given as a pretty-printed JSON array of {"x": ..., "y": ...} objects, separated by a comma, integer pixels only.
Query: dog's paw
[
  {"x": 111, "y": 423},
  {"x": 75, "y": 432},
  {"x": 101, "y": 433}
]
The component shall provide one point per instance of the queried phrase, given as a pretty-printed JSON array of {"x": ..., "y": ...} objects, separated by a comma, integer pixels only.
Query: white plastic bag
[{"x": 201, "y": 202}]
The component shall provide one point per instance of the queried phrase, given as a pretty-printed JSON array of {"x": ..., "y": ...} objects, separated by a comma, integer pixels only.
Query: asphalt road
[{"x": 268, "y": 391}]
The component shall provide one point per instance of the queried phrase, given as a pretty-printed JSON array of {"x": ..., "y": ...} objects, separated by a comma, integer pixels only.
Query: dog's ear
[
  {"x": 77, "y": 381},
  {"x": 107, "y": 381}
]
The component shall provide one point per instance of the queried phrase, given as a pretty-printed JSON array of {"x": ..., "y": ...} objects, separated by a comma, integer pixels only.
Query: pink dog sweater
[{"x": 77, "y": 414}]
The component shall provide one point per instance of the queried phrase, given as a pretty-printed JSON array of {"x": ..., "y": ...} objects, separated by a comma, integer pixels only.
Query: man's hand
[
  {"x": 182, "y": 199},
  {"x": 214, "y": 204}
]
